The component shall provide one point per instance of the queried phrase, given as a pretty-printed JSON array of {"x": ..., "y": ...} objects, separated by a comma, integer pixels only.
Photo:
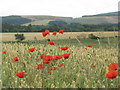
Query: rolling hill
[
  {"x": 97, "y": 20},
  {"x": 103, "y": 14},
  {"x": 15, "y": 19},
  {"x": 105, "y": 18},
  {"x": 44, "y": 19}
]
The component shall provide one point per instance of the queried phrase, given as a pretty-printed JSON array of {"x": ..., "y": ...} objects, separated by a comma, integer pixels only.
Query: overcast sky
[{"x": 69, "y": 8}]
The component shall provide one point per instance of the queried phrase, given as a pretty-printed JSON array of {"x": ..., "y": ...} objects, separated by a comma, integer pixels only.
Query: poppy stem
[
  {"x": 114, "y": 32},
  {"x": 78, "y": 40},
  {"x": 108, "y": 41},
  {"x": 99, "y": 42}
]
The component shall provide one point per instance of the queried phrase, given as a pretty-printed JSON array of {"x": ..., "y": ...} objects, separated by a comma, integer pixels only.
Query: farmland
[
  {"x": 85, "y": 68},
  {"x": 31, "y": 36},
  {"x": 44, "y": 19}
]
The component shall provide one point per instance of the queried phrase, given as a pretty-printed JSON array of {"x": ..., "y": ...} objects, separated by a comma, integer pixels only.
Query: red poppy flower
[
  {"x": 42, "y": 56},
  {"x": 93, "y": 65},
  {"x": 64, "y": 48},
  {"x": 44, "y": 34},
  {"x": 46, "y": 62},
  {"x": 66, "y": 55},
  {"x": 112, "y": 74},
  {"x": 31, "y": 49},
  {"x": 61, "y": 31},
  {"x": 40, "y": 66},
  {"x": 4, "y": 52},
  {"x": 113, "y": 66},
  {"x": 53, "y": 68},
  {"x": 60, "y": 65},
  {"x": 89, "y": 45},
  {"x": 48, "y": 57},
  {"x": 20, "y": 74},
  {"x": 47, "y": 32},
  {"x": 57, "y": 57},
  {"x": 54, "y": 33},
  {"x": 108, "y": 47},
  {"x": 16, "y": 59},
  {"x": 51, "y": 42}
]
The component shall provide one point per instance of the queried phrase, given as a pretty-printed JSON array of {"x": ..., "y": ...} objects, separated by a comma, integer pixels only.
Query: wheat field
[
  {"x": 77, "y": 73},
  {"x": 31, "y": 36}
]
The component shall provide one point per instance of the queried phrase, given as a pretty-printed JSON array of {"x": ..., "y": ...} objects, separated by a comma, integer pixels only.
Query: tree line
[{"x": 57, "y": 25}]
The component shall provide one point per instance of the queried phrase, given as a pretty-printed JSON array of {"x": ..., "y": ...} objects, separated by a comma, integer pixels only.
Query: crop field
[
  {"x": 83, "y": 64},
  {"x": 38, "y": 36}
]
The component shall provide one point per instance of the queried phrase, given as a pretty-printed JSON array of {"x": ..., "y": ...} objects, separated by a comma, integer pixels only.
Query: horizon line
[{"x": 55, "y": 15}]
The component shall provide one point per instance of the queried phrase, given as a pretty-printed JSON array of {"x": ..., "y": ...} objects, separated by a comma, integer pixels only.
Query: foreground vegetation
[{"x": 85, "y": 68}]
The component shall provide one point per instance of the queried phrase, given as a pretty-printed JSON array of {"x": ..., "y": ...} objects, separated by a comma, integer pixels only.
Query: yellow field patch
[{"x": 32, "y": 36}]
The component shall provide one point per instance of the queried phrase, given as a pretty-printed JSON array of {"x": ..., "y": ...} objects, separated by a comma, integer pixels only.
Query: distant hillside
[
  {"x": 103, "y": 14},
  {"x": 97, "y": 20},
  {"x": 105, "y": 18},
  {"x": 15, "y": 20},
  {"x": 44, "y": 19}
]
